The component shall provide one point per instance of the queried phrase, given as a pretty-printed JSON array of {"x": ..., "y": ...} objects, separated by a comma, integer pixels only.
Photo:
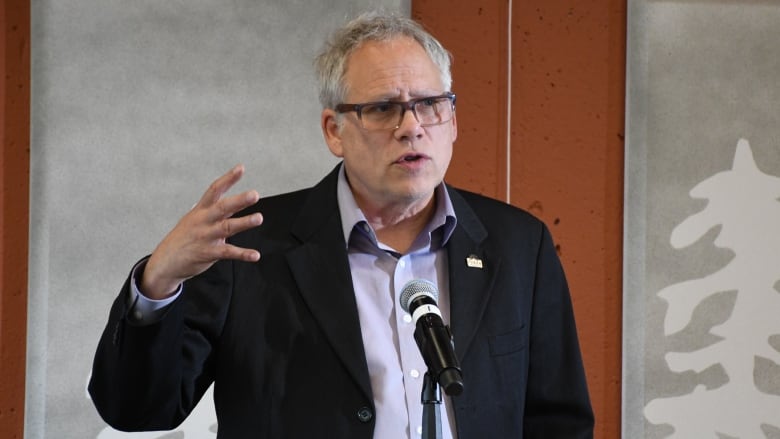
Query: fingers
[
  {"x": 230, "y": 226},
  {"x": 217, "y": 207},
  {"x": 221, "y": 185},
  {"x": 217, "y": 212},
  {"x": 228, "y": 206},
  {"x": 239, "y": 253}
]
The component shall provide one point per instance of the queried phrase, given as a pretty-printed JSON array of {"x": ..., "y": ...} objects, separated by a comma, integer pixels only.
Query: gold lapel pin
[{"x": 473, "y": 261}]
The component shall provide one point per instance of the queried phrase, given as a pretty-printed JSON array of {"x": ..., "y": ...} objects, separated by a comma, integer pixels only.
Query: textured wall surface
[
  {"x": 137, "y": 107},
  {"x": 702, "y": 350}
]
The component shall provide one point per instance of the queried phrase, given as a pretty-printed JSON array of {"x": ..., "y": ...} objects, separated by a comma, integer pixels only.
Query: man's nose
[
  {"x": 404, "y": 116},
  {"x": 409, "y": 126}
]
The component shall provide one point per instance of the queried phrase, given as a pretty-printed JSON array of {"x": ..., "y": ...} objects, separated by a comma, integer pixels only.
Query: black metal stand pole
[{"x": 431, "y": 401}]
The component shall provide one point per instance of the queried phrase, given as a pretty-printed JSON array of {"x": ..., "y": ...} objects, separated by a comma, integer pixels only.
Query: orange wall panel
[{"x": 14, "y": 207}]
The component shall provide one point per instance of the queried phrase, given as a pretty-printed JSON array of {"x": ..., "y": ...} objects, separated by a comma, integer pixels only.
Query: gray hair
[{"x": 331, "y": 63}]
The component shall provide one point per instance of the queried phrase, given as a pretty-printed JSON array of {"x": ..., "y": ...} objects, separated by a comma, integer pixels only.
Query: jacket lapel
[
  {"x": 321, "y": 269},
  {"x": 472, "y": 272}
]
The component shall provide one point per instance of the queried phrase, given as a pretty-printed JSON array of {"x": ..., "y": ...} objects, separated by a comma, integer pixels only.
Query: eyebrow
[{"x": 412, "y": 95}]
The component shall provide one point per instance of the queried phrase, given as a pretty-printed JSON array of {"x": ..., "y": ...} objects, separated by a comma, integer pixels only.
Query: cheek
[
  {"x": 446, "y": 158},
  {"x": 447, "y": 145},
  {"x": 360, "y": 155},
  {"x": 366, "y": 148}
]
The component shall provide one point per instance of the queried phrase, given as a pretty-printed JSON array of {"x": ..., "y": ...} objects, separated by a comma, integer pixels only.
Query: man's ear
[{"x": 331, "y": 131}]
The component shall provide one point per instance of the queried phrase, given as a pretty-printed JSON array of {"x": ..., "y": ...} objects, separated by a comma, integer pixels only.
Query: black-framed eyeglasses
[{"x": 387, "y": 115}]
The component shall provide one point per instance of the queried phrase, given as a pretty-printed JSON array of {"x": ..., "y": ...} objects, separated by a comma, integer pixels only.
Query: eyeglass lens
[{"x": 386, "y": 115}]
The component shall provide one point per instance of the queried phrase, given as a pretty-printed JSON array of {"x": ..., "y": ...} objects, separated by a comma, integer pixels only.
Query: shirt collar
[{"x": 352, "y": 218}]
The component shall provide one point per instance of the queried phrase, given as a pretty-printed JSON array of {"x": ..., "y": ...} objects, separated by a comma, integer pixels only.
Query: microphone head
[{"x": 416, "y": 288}]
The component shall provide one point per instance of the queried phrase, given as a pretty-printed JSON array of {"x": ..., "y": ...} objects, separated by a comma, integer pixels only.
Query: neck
[{"x": 398, "y": 226}]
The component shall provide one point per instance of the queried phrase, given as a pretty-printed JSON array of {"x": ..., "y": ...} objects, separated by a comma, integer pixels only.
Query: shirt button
[
  {"x": 402, "y": 263},
  {"x": 137, "y": 315},
  {"x": 419, "y": 429},
  {"x": 414, "y": 373},
  {"x": 407, "y": 318},
  {"x": 364, "y": 414}
]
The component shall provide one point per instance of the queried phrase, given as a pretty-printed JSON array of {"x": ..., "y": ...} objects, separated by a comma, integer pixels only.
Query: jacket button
[{"x": 365, "y": 414}]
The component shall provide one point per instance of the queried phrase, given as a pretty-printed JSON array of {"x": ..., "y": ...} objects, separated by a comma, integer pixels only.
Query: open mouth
[{"x": 411, "y": 158}]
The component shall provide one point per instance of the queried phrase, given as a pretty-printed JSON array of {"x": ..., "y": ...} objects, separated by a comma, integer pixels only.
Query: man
[{"x": 310, "y": 340}]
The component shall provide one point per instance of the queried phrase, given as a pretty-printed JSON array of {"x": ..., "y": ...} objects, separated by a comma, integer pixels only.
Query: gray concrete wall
[
  {"x": 702, "y": 237},
  {"x": 137, "y": 106}
]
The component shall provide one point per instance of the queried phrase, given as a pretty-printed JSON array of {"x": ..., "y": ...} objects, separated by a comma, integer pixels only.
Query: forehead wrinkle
[
  {"x": 395, "y": 83},
  {"x": 383, "y": 74}
]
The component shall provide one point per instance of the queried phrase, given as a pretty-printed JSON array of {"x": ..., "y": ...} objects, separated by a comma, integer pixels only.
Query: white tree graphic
[{"x": 746, "y": 204}]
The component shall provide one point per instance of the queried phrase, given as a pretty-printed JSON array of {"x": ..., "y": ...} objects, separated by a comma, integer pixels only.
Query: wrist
[{"x": 153, "y": 286}]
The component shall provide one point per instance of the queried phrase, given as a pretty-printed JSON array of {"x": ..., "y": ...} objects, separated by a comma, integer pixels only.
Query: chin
[
  {"x": 413, "y": 189},
  {"x": 416, "y": 193}
]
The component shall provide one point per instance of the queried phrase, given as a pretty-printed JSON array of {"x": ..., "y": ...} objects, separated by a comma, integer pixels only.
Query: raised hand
[{"x": 198, "y": 239}]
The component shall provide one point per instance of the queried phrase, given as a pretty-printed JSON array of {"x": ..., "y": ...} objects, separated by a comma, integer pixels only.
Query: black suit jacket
[{"x": 281, "y": 337}]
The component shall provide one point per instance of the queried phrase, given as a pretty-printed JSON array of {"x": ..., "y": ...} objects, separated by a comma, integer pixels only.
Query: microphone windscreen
[{"x": 415, "y": 288}]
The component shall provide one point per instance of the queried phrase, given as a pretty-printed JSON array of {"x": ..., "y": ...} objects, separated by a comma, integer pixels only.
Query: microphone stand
[{"x": 431, "y": 401}]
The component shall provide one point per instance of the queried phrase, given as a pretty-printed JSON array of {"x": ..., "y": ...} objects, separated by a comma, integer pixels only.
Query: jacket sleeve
[
  {"x": 149, "y": 377},
  {"x": 557, "y": 401}
]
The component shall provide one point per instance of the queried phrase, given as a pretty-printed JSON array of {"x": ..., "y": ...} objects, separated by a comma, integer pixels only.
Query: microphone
[{"x": 433, "y": 337}]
